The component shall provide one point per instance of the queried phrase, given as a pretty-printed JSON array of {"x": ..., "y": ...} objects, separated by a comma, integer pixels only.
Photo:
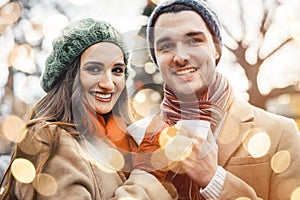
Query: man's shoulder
[{"x": 260, "y": 115}]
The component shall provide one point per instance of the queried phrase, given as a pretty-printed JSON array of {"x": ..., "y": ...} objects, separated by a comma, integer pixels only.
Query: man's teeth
[
  {"x": 103, "y": 96},
  {"x": 186, "y": 71}
]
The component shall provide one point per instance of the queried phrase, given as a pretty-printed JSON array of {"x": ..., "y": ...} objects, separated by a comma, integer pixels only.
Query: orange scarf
[{"x": 115, "y": 130}]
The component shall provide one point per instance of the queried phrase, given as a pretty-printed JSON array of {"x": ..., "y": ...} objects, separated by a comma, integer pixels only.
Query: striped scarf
[{"x": 211, "y": 106}]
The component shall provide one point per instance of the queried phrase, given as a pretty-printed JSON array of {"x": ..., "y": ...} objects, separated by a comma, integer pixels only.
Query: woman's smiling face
[{"x": 102, "y": 75}]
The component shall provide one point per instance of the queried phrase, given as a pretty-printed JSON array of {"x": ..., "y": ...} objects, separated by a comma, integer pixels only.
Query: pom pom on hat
[
  {"x": 73, "y": 40},
  {"x": 199, "y": 6}
]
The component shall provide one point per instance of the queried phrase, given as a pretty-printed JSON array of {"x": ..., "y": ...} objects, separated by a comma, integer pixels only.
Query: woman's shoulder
[{"x": 46, "y": 131}]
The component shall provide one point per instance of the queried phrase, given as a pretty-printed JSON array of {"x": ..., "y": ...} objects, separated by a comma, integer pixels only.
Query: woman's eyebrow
[{"x": 93, "y": 63}]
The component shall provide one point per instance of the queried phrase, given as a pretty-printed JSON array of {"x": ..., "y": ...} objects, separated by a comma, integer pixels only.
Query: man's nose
[{"x": 181, "y": 55}]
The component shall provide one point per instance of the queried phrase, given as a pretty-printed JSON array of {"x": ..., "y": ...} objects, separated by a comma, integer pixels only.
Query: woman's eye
[
  {"x": 118, "y": 70},
  {"x": 93, "y": 69}
]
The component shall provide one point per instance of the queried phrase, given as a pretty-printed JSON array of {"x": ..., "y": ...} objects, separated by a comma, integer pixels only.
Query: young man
[{"x": 256, "y": 153}]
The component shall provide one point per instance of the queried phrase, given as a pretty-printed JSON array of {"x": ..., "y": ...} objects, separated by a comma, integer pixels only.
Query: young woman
[{"x": 75, "y": 142}]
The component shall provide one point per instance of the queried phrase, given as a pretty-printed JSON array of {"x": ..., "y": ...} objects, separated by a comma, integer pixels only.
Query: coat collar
[{"x": 238, "y": 121}]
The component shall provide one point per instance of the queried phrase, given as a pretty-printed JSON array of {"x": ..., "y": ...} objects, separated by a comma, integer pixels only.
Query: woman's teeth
[{"x": 103, "y": 96}]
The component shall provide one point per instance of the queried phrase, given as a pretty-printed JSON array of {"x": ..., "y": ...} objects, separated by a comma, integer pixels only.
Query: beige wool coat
[
  {"x": 78, "y": 176},
  {"x": 252, "y": 177},
  {"x": 255, "y": 178}
]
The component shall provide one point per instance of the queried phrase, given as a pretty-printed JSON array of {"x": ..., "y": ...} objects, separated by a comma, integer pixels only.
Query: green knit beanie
[{"x": 73, "y": 40}]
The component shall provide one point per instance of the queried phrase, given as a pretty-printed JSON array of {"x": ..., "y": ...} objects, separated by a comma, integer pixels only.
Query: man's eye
[
  {"x": 193, "y": 41},
  {"x": 166, "y": 47}
]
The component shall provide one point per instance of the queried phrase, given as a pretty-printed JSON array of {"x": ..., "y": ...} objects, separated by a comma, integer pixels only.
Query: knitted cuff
[{"x": 214, "y": 188}]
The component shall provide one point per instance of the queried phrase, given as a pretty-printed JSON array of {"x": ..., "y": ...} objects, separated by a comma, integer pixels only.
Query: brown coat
[
  {"x": 78, "y": 176},
  {"x": 249, "y": 177},
  {"x": 253, "y": 177}
]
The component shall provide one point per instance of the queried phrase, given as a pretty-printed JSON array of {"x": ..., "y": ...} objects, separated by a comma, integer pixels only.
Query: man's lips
[{"x": 185, "y": 71}]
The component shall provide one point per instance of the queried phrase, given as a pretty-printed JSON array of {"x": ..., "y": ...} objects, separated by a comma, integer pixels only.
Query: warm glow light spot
[
  {"x": 1, "y": 190},
  {"x": 115, "y": 158},
  {"x": 23, "y": 170},
  {"x": 13, "y": 128},
  {"x": 243, "y": 198},
  {"x": 22, "y": 58},
  {"x": 155, "y": 97},
  {"x": 296, "y": 194},
  {"x": 45, "y": 184},
  {"x": 179, "y": 148},
  {"x": 140, "y": 97},
  {"x": 281, "y": 161},
  {"x": 256, "y": 142},
  {"x": 10, "y": 13},
  {"x": 166, "y": 136},
  {"x": 259, "y": 144},
  {"x": 150, "y": 68},
  {"x": 146, "y": 102},
  {"x": 157, "y": 78}
]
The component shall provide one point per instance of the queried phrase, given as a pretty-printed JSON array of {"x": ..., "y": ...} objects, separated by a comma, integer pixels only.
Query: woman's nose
[{"x": 106, "y": 81}]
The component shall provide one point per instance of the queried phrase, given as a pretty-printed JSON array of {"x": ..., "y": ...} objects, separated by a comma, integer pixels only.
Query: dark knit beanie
[
  {"x": 73, "y": 40},
  {"x": 199, "y": 6}
]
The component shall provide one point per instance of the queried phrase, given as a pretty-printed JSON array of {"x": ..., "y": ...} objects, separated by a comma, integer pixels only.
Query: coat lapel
[{"x": 238, "y": 121}]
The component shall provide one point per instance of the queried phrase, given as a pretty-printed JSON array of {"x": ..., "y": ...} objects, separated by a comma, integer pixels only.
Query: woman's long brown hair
[{"x": 63, "y": 105}]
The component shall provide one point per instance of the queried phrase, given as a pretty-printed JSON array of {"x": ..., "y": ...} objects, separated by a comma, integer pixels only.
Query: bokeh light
[
  {"x": 281, "y": 161},
  {"x": 115, "y": 158},
  {"x": 147, "y": 102},
  {"x": 10, "y": 13},
  {"x": 33, "y": 32},
  {"x": 176, "y": 145},
  {"x": 179, "y": 148},
  {"x": 150, "y": 68},
  {"x": 45, "y": 184},
  {"x": 256, "y": 142},
  {"x": 22, "y": 58},
  {"x": 23, "y": 170},
  {"x": 166, "y": 136},
  {"x": 13, "y": 128},
  {"x": 296, "y": 194},
  {"x": 243, "y": 198}
]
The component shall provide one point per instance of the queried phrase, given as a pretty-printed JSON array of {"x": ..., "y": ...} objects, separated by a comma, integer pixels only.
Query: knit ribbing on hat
[
  {"x": 200, "y": 6},
  {"x": 73, "y": 40}
]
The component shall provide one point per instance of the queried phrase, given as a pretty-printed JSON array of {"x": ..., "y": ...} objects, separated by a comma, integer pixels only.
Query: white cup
[{"x": 198, "y": 127}]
